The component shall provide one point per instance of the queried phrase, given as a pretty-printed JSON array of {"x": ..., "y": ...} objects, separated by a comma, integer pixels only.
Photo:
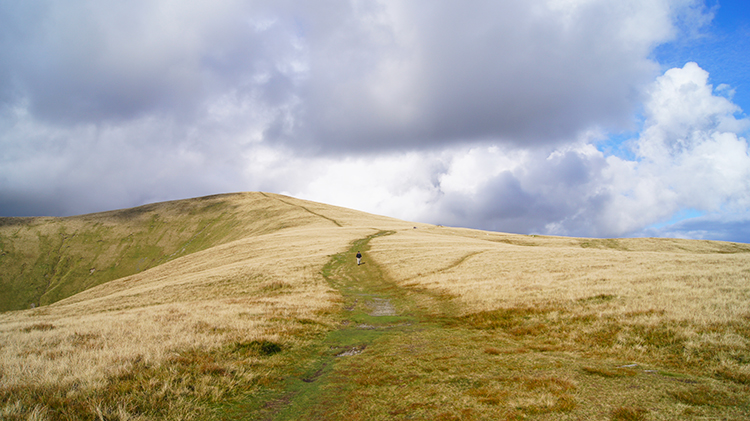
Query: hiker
[{"x": 359, "y": 258}]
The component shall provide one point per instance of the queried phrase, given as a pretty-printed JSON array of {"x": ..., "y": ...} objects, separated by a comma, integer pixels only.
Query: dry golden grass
[
  {"x": 45, "y": 260},
  {"x": 704, "y": 282},
  {"x": 266, "y": 286},
  {"x": 200, "y": 329},
  {"x": 676, "y": 304},
  {"x": 204, "y": 300}
]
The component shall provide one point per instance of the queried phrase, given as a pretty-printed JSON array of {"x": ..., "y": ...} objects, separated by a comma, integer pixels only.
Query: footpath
[
  {"x": 374, "y": 309},
  {"x": 408, "y": 354}
]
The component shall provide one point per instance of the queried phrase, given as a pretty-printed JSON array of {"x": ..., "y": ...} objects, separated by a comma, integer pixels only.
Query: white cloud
[
  {"x": 687, "y": 159},
  {"x": 690, "y": 153},
  {"x": 486, "y": 115}
]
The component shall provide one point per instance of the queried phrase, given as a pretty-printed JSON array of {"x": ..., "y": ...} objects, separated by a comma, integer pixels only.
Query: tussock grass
[
  {"x": 170, "y": 341},
  {"x": 485, "y": 272},
  {"x": 629, "y": 414},
  {"x": 650, "y": 297},
  {"x": 268, "y": 316},
  {"x": 47, "y": 259},
  {"x": 675, "y": 305},
  {"x": 610, "y": 372},
  {"x": 707, "y": 395}
]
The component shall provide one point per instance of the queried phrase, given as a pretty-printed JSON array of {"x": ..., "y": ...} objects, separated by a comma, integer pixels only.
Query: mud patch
[
  {"x": 381, "y": 307},
  {"x": 354, "y": 350}
]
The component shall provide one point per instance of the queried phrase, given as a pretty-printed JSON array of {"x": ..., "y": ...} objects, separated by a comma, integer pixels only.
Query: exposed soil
[{"x": 381, "y": 307}]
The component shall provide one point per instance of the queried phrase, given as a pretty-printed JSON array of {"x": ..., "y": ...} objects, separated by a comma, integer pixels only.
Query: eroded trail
[
  {"x": 373, "y": 308},
  {"x": 403, "y": 353}
]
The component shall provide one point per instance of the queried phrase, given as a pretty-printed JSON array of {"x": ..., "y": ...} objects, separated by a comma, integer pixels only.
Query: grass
[
  {"x": 509, "y": 363},
  {"x": 276, "y": 321},
  {"x": 45, "y": 260},
  {"x": 629, "y": 414},
  {"x": 49, "y": 259}
]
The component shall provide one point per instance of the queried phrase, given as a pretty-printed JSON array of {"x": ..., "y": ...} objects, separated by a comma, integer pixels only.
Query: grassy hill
[
  {"x": 44, "y": 260},
  {"x": 252, "y": 306}
]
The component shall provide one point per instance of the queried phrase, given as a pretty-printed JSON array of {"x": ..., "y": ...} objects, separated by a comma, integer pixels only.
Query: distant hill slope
[{"x": 45, "y": 259}]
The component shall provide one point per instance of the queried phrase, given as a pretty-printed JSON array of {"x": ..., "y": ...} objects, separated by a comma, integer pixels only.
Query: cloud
[
  {"x": 721, "y": 227},
  {"x": 527, "y": 73},
  {"x": 371, "y": 75},
  {"x": 93, "y": 62},
  {"x": 689, "y": 155},
  {"x": 493, "y": 116}
]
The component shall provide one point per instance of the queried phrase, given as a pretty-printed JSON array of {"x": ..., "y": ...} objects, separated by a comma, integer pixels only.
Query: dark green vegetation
[{"x": 45, "y": 260}]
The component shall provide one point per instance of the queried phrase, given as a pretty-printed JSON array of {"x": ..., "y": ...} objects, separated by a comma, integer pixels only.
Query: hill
[
  {"x": 44, "y": 260},
  {"x": 253, "y": 307}
]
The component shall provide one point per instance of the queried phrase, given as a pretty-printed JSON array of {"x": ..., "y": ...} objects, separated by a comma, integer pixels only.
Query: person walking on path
[{"x": 359, "y": 258}]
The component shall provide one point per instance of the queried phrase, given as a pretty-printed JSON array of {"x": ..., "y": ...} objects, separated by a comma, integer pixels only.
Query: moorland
[{"x": 252, "y": 306}]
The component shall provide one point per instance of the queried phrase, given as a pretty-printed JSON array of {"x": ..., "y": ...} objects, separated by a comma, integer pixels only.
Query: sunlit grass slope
[
  {"x": 665, "y": 311},
  {"x": 44, "y": 260},
  {"x": 188, "y": 323},
  {"x": 246, "y": 291}
]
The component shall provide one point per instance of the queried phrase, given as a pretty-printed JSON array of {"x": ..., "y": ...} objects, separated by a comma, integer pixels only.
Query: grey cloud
[
  {"x": 78, "y": 62},
  {"x": 32, "y": 203},
  {"x": 500, "y": 198},
  {"x": 552, "y": 194},
  {"x": 91, "y": 168},
  {"x": 500, "y": 70},
  {"x": 352, "y": 76}
]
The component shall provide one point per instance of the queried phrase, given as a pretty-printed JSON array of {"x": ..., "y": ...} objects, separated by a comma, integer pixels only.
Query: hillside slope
[
  {"x": 44, "y": 260},
  {"x": 266, "y": 315}
]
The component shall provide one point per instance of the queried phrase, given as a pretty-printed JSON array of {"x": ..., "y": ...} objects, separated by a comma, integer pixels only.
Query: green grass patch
[{"x": 609, "y": 372}]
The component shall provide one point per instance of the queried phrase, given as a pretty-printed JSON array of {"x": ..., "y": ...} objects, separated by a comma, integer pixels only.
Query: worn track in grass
[
  {"x": 372, "y": 308},
  {"x": 393, "y": 357}
]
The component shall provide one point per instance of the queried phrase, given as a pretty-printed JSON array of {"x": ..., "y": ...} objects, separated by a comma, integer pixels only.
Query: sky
[{"x": 587, "y": 118}]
